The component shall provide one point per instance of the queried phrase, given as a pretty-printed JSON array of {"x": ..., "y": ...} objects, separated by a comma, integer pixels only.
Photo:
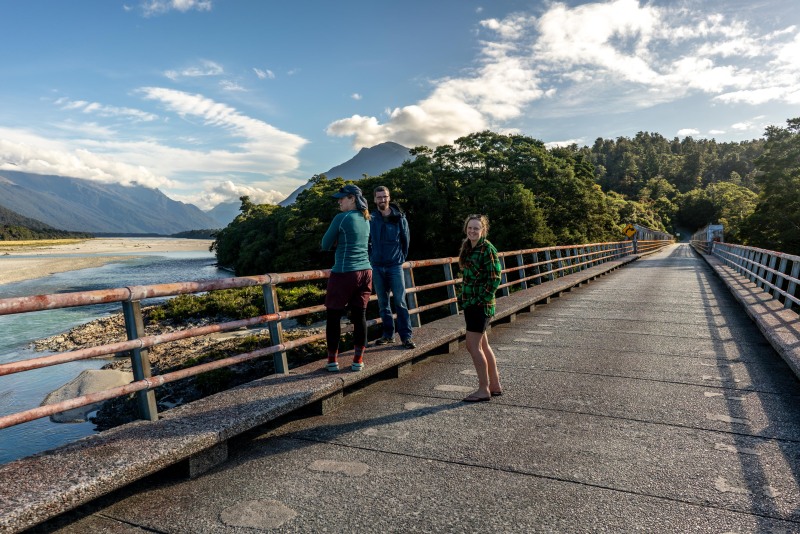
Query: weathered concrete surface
[
  {"x": 194, "y": 436},
  {"x": 641, "y": 402}
]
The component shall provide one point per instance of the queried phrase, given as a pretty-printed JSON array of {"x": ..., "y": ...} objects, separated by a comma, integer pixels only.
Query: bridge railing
[
  {"x": 774, "y": 272},
  {"x": 520, "y": 268}
]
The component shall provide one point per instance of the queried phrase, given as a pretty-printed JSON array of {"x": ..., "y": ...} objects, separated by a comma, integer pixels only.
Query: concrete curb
[{"x": 779, "y": 325}]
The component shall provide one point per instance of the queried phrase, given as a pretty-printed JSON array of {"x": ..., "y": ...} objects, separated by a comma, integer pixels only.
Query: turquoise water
[{"x": 26, "y": 390}]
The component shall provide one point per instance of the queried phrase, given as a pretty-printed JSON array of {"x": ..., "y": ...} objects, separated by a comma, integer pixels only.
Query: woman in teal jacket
[
  {"x": 350, "y": 283},
  {"x": 481, "y": 271}
]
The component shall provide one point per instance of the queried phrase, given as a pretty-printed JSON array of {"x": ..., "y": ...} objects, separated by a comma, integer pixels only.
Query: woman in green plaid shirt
[{"x": 481, "y": 268}]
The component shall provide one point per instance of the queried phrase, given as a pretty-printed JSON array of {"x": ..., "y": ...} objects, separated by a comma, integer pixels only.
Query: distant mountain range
[{"x": 78, "y": 205}]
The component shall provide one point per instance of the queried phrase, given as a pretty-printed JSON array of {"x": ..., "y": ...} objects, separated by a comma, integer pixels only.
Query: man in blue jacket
[{"x": 389, "y": 238}]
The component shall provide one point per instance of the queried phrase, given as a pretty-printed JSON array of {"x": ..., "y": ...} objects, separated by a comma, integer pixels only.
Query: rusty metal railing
[{"x": 519, "y": 268}]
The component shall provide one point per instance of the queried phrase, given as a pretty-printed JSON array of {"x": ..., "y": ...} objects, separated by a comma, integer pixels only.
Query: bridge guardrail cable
[{"x": 536, "y": 266}]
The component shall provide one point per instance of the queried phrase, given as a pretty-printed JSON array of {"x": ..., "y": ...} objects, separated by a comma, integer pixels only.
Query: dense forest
[{"x": 535, "y": 196}]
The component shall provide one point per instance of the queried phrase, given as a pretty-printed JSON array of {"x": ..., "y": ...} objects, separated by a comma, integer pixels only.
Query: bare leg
[
  {"x": 474, "y": 346},
  {"x": 491, "y": 363}
]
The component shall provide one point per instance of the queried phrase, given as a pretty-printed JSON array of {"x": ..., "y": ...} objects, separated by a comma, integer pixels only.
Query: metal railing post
[
  {"x": 140, "y": 363},
  {"x": 768, "y": 275},
  {"x": 411, "y": 298},
  {"x": 275, "y": 329},
  {"x": 792, "y": 287},
  {"x": 451, "y": 289},
  {"x": 521, "y": 272},
  {"x": 537, "y": 269},
  {"x": 503, "y": 278},
  {"x": 549, "y": 265}
]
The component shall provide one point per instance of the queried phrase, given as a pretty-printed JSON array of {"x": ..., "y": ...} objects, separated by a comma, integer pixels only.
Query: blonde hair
[{"x": 466, "y": 245}]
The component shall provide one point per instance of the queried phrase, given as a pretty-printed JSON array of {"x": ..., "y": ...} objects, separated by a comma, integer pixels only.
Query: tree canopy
[{"x": 535, "y": 196}]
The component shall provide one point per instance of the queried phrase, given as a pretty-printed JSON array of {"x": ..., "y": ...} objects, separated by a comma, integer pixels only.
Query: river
[{"x": 26, "y": 390}]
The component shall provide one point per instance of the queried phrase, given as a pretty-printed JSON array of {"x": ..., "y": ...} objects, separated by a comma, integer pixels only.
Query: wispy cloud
[
  {"x": 205, "y": 68},
  {"x": 620, "y": 54},
  {"x": 104, "y": 110},
  {"x": 159, "y": 7},
  {"x": 244, "y": 149},
  {"x": 264, "y": 74}
]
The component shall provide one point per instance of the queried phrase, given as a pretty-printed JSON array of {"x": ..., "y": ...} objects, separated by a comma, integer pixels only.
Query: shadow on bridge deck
[{"x": 644, "y": 401}]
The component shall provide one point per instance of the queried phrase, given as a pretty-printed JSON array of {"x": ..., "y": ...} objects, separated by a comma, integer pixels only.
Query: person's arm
[
  {"x": 331, "y": 236},
  {"x": 490, "y": 271},
  {"x": 405, "y": 237}
]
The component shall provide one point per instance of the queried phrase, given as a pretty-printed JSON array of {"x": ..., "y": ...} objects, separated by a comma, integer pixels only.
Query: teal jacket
[{"x": 349, "y": 235}]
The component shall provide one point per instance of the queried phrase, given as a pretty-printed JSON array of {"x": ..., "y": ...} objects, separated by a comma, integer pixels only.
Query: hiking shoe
[
  {"x": 333, "y": 367},
  {"x": 357, "y": 366},
  {"x": 408, "y": 344},
  {"x": 384, "y": 341}
]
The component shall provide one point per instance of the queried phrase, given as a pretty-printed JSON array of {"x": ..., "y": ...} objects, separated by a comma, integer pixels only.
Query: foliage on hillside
[
  {"x": 15, "y": 227},
  {"x": 535, "y": 196}
]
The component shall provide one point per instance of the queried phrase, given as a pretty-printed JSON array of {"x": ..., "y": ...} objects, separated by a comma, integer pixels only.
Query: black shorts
[
  {"x": 353, "y": 288},
  {"x": 476, "y": 319}
]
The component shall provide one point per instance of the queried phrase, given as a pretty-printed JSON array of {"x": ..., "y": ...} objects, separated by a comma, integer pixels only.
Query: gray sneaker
[
  {"x": 384, "y": 341},
  {"x": 408, "y": 344}
]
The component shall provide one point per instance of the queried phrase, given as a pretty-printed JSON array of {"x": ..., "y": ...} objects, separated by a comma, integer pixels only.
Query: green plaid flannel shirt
[{"x": 481, "y": 277}]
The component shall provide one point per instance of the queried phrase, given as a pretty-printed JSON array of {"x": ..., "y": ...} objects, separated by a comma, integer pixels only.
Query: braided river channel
[{"x": 24, "y": 391}]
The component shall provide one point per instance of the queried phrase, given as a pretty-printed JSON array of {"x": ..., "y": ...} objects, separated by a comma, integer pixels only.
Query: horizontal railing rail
[
  {"x": 774, "y": 272},
  {"x": 519, "y": 268}
]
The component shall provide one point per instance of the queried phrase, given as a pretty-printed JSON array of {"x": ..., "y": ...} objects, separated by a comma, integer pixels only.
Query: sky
[{"x": 209, "y": 100}]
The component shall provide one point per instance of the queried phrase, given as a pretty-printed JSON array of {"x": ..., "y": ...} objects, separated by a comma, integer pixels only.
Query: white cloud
[
  {"x": 565, "y": 142},
  {"x": 263, "y": 74},
  {"x": 688, "y": 132},
  {"x": 596, "y": 57},
  {"x": 206, "y": 68},
  {"x": 104, "y": 110},
  {"x": 356, "y": 96},
  {"x": 158, "y": 7},
  {"x": 246, "y": 150},
  {"x": 228, "y": 85},
  {"x": 222, "y": 190},
  {"x": 27, "y": 152}
]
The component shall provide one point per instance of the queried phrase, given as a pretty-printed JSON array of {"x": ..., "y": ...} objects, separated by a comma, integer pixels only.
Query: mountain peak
[{"x": 371, "y": 161}]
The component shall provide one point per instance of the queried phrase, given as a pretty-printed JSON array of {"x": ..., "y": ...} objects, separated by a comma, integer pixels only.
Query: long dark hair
[{"x": 466, "y": 245}]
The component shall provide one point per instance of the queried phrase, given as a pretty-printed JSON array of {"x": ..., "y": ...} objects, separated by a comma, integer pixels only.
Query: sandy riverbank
[{"x": 39, "y": 261}]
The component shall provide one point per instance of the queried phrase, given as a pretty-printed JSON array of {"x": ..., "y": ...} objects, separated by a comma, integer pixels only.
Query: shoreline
[{"x": 49, "y": 259}]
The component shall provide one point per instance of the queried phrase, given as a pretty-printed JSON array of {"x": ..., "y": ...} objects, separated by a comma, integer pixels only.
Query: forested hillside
[
  {"x": 15, "y": 227},
  {"x": 536, "y": 196}
]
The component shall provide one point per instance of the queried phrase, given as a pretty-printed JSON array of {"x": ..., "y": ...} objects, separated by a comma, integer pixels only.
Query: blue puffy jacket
[{"x": 388, "y": 238}]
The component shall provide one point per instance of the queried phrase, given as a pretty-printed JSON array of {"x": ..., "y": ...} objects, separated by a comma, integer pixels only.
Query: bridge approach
[{"x": 647, "y": 400}]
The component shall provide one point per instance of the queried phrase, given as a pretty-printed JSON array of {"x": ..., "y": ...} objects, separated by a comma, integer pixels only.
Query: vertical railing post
[
  {"x": 559, "y": 263},
  {"x": 537, "y": 269},
  {"x": 769, "y": 276},
  {"x": 549, "y": 265},
  {"x": 275, "y": 329},
  {"x": 752, "y": 265},
  {"x": 781, "y": 278},
  {"x": 411, "y": 298},
  {"x": 451, "y": 289},
  {"x": 523, "y": 284},
  {"x": 140, "y": 363},
  {"x": 504, "y": 292},
  {"x": 792, "y": 287},
  {"x": 635, "y": 243}
]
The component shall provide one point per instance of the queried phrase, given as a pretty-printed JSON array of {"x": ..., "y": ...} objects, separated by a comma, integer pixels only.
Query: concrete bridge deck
[{"x": 646, "y": 401}]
